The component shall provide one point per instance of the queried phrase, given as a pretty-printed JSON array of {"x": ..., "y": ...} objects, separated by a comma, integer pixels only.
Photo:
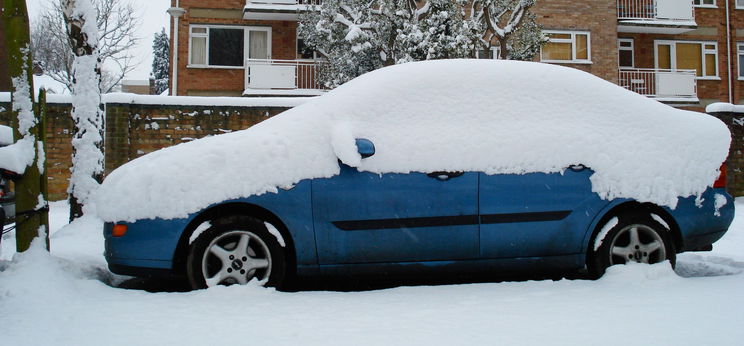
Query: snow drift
[{"x": 447, "y": 115}]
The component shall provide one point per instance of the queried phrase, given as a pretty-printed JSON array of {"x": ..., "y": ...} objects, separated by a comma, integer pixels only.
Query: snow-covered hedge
[{"x": 447, "y": 115}]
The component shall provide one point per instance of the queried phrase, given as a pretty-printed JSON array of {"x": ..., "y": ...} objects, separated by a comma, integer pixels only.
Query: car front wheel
[
  {"x": 635, "y": 238},
  {"x": 235, "y": 250}
]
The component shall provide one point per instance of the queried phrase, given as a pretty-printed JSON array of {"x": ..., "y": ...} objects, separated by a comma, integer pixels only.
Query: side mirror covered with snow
[{"x": 365, "y": 147}]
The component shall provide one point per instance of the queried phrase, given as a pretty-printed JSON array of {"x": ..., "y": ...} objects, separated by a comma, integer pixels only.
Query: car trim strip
[
  {"x": 441, "y": 221},
  {"x": 525, "y": 217}
]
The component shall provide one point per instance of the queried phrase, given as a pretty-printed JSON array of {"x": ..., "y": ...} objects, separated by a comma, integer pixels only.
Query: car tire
[
  {"x": 235, "y": 250},
  {"x": 635, "y": 238}
]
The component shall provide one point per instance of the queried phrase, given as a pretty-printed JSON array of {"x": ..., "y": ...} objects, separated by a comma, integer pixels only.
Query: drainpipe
[
  {"x": 175, "y": 12},
  {"x": 729, "y": 64}
]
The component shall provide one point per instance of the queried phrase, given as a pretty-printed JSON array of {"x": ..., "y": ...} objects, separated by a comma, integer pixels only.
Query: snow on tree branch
[
  {"x": 21, "y": 154},
  {"x": 358, "y": 36},
  {"x": 87, "y": 157}
]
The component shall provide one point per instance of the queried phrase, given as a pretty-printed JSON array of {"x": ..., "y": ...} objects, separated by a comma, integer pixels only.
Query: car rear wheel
[
  {"x": 235, "y": 250},
  {"x": 635, "y": 238}
]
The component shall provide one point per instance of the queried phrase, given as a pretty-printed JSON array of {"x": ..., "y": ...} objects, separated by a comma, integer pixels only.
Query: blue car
[
  {"x": 371, "y": 198},
  {"x": 364, "y": 222}
]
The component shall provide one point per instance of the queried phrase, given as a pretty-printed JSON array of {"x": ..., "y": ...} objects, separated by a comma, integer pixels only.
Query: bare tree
[
  {"x": 511, "y": 25},
  {"x": 117, "y": 23}
]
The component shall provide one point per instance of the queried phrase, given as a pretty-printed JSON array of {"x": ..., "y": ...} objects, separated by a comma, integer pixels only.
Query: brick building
[{"x": 683, "y": 52}]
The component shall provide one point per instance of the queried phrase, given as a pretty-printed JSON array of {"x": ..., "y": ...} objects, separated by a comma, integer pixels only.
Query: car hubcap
[
  {"x": 236, "y": 257},
  {"x": 637, "y": 243}
]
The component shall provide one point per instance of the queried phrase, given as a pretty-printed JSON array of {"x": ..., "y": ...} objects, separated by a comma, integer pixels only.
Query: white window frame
[
  {"x": 572, "y": 41},
  {"x": 246, "y": 44},
  {"x": 495, "y": 53},
  {"x": 739, "y": 4},
  {"x": 631, "y": 49},
  {"x": 699, "y": 3},
  {"x": 739, "y": 56},
  {"x": 673, "y": 55}
]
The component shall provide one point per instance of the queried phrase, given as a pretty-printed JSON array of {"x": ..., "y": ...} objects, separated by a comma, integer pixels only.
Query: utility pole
[{"x": 31, "y": 205}]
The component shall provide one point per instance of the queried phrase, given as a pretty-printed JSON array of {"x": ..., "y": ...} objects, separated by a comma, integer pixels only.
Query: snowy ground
[{"x": 67, "y": 299}]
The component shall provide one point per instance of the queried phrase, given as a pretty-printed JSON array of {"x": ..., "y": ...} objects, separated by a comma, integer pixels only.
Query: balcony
[
  {"x": 668, "y": 86},
  {"x": 276, "y": 9},
  {"x": 655, "y": 16},
  {"x": 268, "y": 77}
]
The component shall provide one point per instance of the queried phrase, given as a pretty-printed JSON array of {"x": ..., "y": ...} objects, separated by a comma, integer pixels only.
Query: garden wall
[{"x": 139, "y": 124}]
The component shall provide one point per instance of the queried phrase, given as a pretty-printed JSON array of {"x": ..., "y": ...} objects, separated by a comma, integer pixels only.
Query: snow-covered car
[
  {"x": 441, "y": 165},
  {"x": 7, "y": 196}
]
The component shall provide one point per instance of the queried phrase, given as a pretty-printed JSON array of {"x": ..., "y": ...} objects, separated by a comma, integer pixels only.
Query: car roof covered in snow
[{"x": 446, "y": 115}]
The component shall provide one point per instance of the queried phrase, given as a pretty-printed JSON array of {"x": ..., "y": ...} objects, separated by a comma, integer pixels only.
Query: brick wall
[
  {"x": 598, "y": 17},
  {"x": 58, "y": 147},
  {"x": 133, "y": 130}
]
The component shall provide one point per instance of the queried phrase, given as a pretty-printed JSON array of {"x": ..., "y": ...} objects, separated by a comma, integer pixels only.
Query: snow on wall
[
  {"x": 127, "y": 98},
  {"x": 447, "y": 115}
]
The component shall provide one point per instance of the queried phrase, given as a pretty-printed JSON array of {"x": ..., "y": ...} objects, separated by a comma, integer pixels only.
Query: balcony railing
[
  {"x": 656, "y": 10},
  {"x": 284, "y": 2},
  {"x": 662, "y": 84},
  {"x": 276, "y": 9},
  {"x": 269, "y": 76}
]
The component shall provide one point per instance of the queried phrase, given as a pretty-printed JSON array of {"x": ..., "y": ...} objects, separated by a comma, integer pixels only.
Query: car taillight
[
  {"x": 721, "y": 181},
  {"x": 119, "y": 230}
]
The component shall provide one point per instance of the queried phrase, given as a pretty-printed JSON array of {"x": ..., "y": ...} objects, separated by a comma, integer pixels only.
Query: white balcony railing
[
  {"x": 276, "y": 9},
  {"x": 660, "y": 83},
  {"x": 284, "y": 2},
  {"x": 270, "y": 74},
  {"x": 656, "y": 10}
]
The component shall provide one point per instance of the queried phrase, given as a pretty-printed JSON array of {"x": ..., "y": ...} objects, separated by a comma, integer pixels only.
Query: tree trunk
[
  {"x": 87, "y": 170},
  {"x": 31, "y": 220},
  {"x": 504, "y": 48}
]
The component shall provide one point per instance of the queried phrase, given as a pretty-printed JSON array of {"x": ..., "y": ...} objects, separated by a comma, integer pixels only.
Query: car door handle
[{"x": 444, "y": 176}]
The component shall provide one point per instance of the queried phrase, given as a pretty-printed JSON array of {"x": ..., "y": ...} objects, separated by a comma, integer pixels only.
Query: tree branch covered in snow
[
  {"x": 117, "y": 22},
  {"x": 509, "y": 25},
  {"x": 87, "y": 112},
  {"x": 358, "y": 36}
]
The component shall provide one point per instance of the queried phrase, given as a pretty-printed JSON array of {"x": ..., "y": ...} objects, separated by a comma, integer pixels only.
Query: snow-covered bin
[{"x": 733, "y": 117}]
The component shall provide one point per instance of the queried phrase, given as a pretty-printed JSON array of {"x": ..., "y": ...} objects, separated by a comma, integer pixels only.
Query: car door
[
  {"x": 535, "y": 214},
  {"x": 363, "y": 217}
]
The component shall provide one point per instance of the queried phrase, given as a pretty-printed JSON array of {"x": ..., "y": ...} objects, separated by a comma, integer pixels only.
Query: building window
[
  {"x": 683, "y": 55},
  {"x": 705, "y": 3},
  {"x": 304, "y": 52},
  {"x": 566, "y": 47},
  {"x": 227, "y": 46},
  {"x": 492, "y": 53},
  {"x": 741, "y": 61},
  {"x": 625, "y": 52},
  {"x": 740, "y": 4}
]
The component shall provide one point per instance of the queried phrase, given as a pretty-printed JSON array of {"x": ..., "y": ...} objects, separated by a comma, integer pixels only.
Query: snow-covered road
[{"x": 62, "y": 300}]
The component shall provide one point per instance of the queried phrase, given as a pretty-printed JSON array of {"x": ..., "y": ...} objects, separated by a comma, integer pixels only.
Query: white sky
[{"x": 154, "y": 18}]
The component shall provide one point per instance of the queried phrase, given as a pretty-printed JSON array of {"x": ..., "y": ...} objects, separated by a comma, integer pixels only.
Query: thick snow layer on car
[{"x": 448, "y": 115}]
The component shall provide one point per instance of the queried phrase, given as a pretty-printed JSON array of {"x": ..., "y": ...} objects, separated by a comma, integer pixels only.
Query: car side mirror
[{"x": 365, "y": 147}]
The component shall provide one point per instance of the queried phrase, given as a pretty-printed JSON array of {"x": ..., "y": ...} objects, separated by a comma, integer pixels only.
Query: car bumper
[
  {"x": 148, "y": 247},
  {"x": 701, "y": 221}
]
